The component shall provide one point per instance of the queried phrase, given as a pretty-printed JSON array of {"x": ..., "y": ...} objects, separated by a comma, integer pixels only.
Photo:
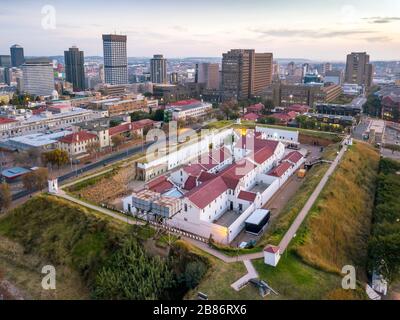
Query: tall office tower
[
  {"x": 174, "y": 78},
  {"x": 5, "y": 61},
  {"x": 291, "y": 69},
  {"x": 158, "y": 69},
  {"x": 326, "y": 67},
  {"x": 115, "y": 59},
  {"x": 38, "y": 77},
  {"x": 75, "y": 68},
  {"x": 358, "y": 69},
  {"x": 245, "y": 73},
  {"x": 208, "y": 73},
  {"x": 17, "y": 55}
]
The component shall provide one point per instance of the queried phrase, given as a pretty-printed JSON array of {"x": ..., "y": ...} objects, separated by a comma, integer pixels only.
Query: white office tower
[
  {"x": 115, "y": 59},
  {"x": 158, "y": 69},
  {"x": 38, "y": 77}
]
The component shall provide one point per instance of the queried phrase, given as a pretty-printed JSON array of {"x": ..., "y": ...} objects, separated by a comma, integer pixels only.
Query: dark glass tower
[
  {"x": 75, "y": 68},
  {"x": 17, "y": 55}
]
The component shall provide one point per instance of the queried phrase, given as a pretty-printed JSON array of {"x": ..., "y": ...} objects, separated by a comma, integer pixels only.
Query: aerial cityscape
[{"x": 213, "y": 150}]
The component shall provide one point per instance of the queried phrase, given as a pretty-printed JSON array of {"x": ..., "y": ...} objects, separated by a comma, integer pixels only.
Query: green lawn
[{"x": 293, "y": 279}]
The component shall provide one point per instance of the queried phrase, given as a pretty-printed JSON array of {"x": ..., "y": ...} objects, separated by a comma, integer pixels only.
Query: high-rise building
[
  {"x": 208, "y": 73},
  {"x": 245, "y": 73},
  {"x": 174, "y": 78},
  {"x": 38, "y": 77},
  {"x": 158, "y": 69},
  {"x": 358, "y": 69},
  {"x": 17, "y": 55},
  {"x": 115, "y": 59},
  {"x": 5, "y": 61},
  {"x": 326, "y": 67},
  {"x": 75, "y": 68}
]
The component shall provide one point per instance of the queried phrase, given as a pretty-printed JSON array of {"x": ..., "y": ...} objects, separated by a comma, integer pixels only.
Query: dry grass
[
  {"x": 109, "y": 188},
  {"x": 337, "y": 229},
  {"x": 24, "y": 271}
]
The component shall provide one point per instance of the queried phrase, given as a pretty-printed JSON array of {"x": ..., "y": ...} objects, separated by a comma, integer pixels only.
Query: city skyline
[{"x": 314, "y": 30}]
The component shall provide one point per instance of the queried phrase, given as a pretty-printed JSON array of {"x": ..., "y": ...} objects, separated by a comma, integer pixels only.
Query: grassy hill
[
  {"x": 334, "y": 234},
  {"x": 106, "y": 259},
  {"x": 338, "y": 226}
]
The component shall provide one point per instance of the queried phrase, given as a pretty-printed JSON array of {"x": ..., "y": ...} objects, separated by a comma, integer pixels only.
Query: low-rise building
[
  {"x": 76, "y": 143},
  {"x": 192, "y": 108}
]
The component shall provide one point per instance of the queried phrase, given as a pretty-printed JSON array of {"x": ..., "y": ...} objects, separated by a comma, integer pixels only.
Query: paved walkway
[
  {"x": 310, "y": 202},
  {"x": 251, "y": 274},
  {"x": 110, "y": 213}
]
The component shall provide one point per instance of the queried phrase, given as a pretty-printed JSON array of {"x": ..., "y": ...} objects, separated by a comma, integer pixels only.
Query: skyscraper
[
  {"x": 75, "y": 68},
  {"x": 208, "y": 73},
  {"x": 5, "y": 61},
  {"x": 245, "y": 73},
  {"x": 17, "y": 55},
  {"x": 115, "y": 59},
  {"x": 158, "y": 69},
  {"x": 358, "y": 69},
  {"x": 38, "y": 77}
]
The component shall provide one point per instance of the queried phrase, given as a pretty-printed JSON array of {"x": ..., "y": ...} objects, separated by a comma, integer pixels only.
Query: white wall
[{"x": 279, "y": 134}]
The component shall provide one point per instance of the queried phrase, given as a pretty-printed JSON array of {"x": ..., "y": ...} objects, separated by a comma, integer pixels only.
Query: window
[{"x": 185, "y": 207}]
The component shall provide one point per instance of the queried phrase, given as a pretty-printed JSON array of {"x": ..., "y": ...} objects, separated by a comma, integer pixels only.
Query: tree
[
  {"x": 36, "y": 180},
  {"x": 131, "y": 274},
  {"x": 5, "y": 196},
  {"x": 117, "y": 140},
  {"x": 230, "y": 109},
  {"x": 55, "y": 157},
  {"x": 148, "y": 94},
  {"x": 268, "y": 106},
  {"x": 194, "y": 273},
  {"x": 139, "y": 115},
  {"x": 158, "y": 115},
  {"x": 93, "y": 147}
]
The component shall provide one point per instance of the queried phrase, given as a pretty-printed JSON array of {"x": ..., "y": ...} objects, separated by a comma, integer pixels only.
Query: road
[
  {"x": 101, "y": 163},
  {"x": 290, "y": 234}
]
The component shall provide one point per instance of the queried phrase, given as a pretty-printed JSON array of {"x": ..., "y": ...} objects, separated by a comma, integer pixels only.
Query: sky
[{"x": 322, "y": 30}]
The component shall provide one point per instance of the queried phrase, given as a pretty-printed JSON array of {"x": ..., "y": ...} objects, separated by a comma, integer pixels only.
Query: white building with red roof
[
  {"x": 220, "y": 205},
  {"x": 189, "y": 109},
  {"x": 76, "y": 143}
]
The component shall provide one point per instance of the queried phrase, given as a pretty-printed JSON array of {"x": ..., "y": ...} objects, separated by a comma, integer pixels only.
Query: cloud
[
  {"x": 307, "y": 33},
  {"x": 378, "y": 39},
  {"x": 381, "y": 20}
]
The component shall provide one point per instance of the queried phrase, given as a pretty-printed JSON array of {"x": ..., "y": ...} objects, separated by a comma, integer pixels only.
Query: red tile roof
[
  {"x": 284, "y": 116},
  {"x": 182, "y": 103},
  {"x": 280, "y": 170},
  {"x": 77, "y": 137},
  {"x": 271, "y": 249},
  {"x": 258, "y": 143},
  {"x": 298, "y": 108},
  {"x": 7, "y": 120},
  {"x": 247, "y": 196},
  {"x": 191, "y": 183},
  {"x": 294, "y": 157},
  {"x": 156, "y": 181},
  {"x": 143, "y": 123},
  {"x": 255, "y": 107},
  {"x": 251, "y": 116},
  {"x": 120, "y": 129},
  {"x": 263, "y": 155},
  {"x": 194, "y": 169},
  {"x": 160, "y": 185},
  {"x": 206, "y": 193},
  {"x": 205, "y": 176}
]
